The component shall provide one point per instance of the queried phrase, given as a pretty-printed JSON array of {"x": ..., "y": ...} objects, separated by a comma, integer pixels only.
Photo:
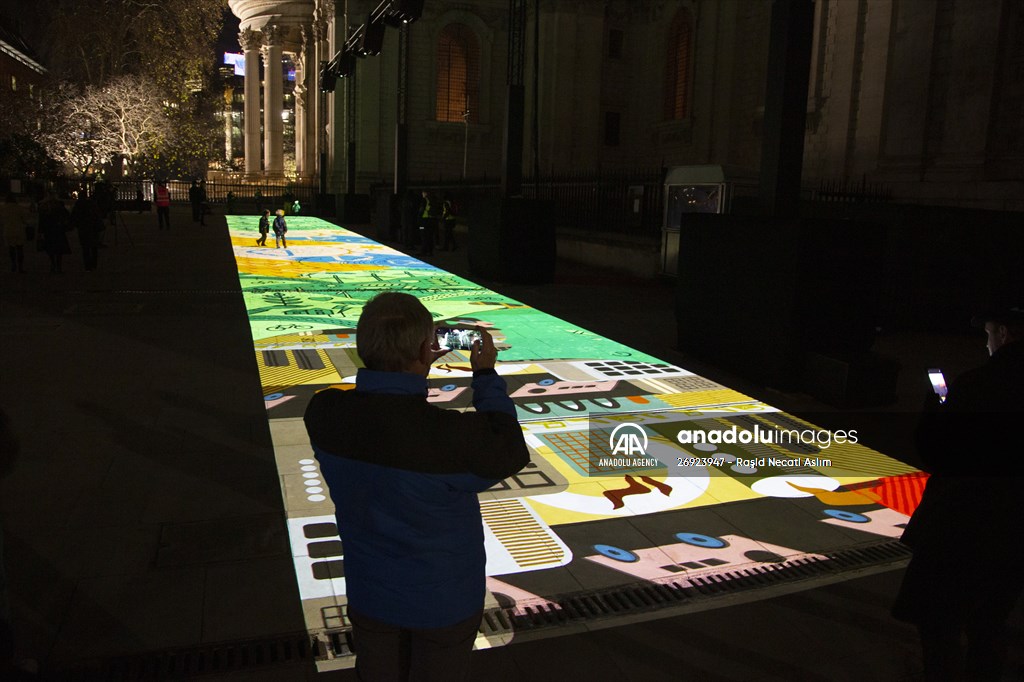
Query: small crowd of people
[
  {"x": 279, "y": 226},
  {"x": 428, "y": 222},
  {"x": 48, "y": 222}
]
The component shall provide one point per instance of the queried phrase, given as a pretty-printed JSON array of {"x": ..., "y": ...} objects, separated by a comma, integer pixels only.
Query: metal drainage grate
[
  {"x": 649, "y": 597},
  {"x": 573, "y": 608},
  {"x": 196, "y": 661}
]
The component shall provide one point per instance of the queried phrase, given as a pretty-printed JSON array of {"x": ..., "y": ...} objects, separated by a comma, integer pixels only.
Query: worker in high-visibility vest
[
  {"x": 428, "y": 224},
  {"x": 163, "y": 206}
]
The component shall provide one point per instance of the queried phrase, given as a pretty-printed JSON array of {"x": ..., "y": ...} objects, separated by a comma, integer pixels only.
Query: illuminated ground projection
[{"x": 584, "y": 534}]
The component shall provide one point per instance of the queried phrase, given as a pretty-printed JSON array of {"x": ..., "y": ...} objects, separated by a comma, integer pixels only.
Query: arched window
[
  {"x": 458, "y": 74},
  {"x": 677, "y": 66}
]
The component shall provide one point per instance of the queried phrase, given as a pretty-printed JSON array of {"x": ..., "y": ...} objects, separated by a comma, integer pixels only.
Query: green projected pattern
[{"x": 576, "y": 518}]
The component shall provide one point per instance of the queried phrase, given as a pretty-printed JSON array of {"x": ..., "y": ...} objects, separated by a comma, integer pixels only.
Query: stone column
[
  {"x": 301, "y": 101},
  {"x": 273, "y": 102},
  {"x": 229, "y": 96},
  {"x": 314, "y": 111},
  {"x": 335, "y": 123},
  {"x": 312, "y": 77},
  {"x": 251, "y": 41}
]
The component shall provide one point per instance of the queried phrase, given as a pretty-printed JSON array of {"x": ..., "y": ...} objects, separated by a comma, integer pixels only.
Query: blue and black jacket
[{"x": 404, "y": 476}]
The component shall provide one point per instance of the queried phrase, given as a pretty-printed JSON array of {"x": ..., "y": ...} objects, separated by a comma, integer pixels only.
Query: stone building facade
[
  {"x": 924, "y": 95},
  {"x": 20, "y": 70}
]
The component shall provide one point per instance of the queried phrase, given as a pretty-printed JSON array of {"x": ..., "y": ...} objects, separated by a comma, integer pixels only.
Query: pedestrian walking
[
  {"x": 87, "y": 220},
  {"x": 428, "y": 215},
  {"x": 54, "y": 223},
  {"x": 15, "y": 228},
  {"x": 194, "y": 200},
  {"x": 264, "y": 227},
  {"x": 163, "y": 206},
  {"x": 204, "y": 205},
  {"x": 448, "y": 214},
  {"x": 280, "y": 229}
]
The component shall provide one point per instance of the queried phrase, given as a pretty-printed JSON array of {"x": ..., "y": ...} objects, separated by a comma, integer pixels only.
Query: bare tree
[
  {"x": 136, "y": 65},
  {"x": 169, "y": 42},
  {"x": 70, "y": 131},
  {"x": 86, "y": 128},
  {"x": 130, "y": 112}
]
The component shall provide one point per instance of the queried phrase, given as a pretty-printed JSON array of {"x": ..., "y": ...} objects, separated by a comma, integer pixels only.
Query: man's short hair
[
  {"x": 1012, "y": 318},
  {"x": 391, "y": 329}
]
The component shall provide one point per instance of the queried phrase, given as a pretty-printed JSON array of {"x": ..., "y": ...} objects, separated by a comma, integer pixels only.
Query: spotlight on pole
[
  {"x": 406, "y": 11},
  {"x": 371, "y": 40},
  {"x": 327, "y": 78}
]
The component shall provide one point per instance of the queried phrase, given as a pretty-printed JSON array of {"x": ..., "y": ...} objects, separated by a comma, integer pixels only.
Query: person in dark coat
[
  {"x": 54, "y": 223},
  {"x": 264, "y": 227},
  {"x": 428, "y": 213},
  {"x": 967, "y": 535},
  {"x": 196, "y": 201},
  {"x": 204, "y": 203},
  {"x": 448, "y": 220},
  {"x": 280, "y": 230},
  {"x": 87, "y": 219},
  {"x": 409, "y": 219},
  {"x": 105, "y": 196}
]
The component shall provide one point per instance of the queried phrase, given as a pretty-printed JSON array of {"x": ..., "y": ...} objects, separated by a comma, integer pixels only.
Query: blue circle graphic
[
  {"x": 616, "y": 553},
  {"x": 702, "y": 540},
  {"x": 843, "y": 515}
]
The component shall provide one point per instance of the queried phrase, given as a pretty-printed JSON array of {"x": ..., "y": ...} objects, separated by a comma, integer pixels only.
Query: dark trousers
[
  {"x": 90, "y": 254},
  {"x": 163, "y": 217},
  {"x": 262, "y": 241},
  {"x": 449, "y": 236},
  {"x": 197, "y": 211},
  {"x": 428, "y": 233},
  {"x": 987, "y": 635},
  {"x": 17, "y": 258},
  {"x": 387, "y": 653}
]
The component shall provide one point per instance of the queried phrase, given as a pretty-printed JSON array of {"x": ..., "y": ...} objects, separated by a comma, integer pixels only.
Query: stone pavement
[{"x": 143, "y": 522}]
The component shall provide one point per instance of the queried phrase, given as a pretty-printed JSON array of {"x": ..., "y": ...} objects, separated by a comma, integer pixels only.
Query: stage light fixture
[
  {"x": 346, "y": 64},
  {"x": 371, "y": 40},
  {"x": 407, "y": 11},
  {"x": 327, "y": 78}
]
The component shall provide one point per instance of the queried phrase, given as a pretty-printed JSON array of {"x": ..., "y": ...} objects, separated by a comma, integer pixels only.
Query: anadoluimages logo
[{"x": 629, "y": 440}]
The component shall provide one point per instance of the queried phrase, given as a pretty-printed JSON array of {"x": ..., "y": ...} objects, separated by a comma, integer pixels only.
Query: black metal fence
[
  {"x": 270, "y": 194},
  {"x": 628, "y": 202},
  {"x": 852, "y": 191},
  {"x": 613, "y": 202}
]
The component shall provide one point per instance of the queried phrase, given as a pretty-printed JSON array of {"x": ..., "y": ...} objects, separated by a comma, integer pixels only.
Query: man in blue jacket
[{"x": 404, "y": 477}]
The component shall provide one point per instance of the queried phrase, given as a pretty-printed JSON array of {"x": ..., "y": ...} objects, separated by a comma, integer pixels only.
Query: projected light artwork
[{"x": 651, "y": 489}]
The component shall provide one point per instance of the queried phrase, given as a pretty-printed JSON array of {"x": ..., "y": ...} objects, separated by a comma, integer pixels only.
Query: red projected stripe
[{"x": 901, "y": 493}]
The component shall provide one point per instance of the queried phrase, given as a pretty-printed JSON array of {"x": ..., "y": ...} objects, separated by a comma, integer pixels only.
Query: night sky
[{"x": 228, "y": 40}]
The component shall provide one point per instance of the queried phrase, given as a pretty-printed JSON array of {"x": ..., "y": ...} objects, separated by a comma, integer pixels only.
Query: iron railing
[{"x": 628, "y": 202}]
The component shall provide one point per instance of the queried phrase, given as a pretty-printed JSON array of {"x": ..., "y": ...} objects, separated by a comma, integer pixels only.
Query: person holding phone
[
  {"x": 967, "y": 534},
  {"x": 404, "y": 477}
]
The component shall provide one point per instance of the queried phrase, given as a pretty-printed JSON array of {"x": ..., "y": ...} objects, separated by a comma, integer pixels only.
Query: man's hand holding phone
[{"x": 483, "y": 354}]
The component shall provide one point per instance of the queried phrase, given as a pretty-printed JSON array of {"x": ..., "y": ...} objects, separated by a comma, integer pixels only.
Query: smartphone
[
  {"x": 938, "y": 384},
  {"x": 456, "y": 338}
]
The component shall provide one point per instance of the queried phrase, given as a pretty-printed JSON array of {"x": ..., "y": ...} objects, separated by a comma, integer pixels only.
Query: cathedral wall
[{"x": 922, "y": 94}]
